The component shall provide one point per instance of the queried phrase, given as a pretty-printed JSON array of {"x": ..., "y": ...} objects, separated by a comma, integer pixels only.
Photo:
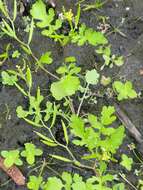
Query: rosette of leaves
[
  {"x": 11, "y": 157},
  {"x": 31, "y": 152}
]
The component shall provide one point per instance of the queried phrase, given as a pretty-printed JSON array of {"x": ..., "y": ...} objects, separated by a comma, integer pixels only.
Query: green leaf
[
  {"x": 31, "y": 152},
  {"x": 95, "y": 38},
  {"x": 88, "y": 35},
  {"x": 107, "y": 116},
  {"x": 48, "y": 111},
  {"x": 112, "y": 143},
  {"x": 119, "y": 61},
  {"x": 16, "y": 54},
  {"x": 38, "y": 12},
  {"x": 125, "y": 91},
  {"x": 67, "y": 178},
  {"x": 77, "y": 126},
  {"x": 127, "y": 162},
  {"x": 92, "y": 77},
  {"x": 46, "y": 20},
  {"x": 34, "y": 182},
  {"x": 11, "y": 158},
  {"x": 105, "y": 81},
  {"x": 46, "y": 58},
  {"x": 8, "y": 79},
  {"x": 67, "y": 86},
  {"x": 53, "y": 183},
  {"x": 71, "y": 59},
  {"x": 119, "y": 186},
  {"x": 21, "y": 113}
]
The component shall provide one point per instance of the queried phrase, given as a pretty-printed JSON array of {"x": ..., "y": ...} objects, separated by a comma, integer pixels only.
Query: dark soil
[{"x": 125, "y": 14}]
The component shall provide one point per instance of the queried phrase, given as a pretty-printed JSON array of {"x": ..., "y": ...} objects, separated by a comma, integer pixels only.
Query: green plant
[
  {"x": 11, "y": 157},
  {"x": 124, "y": 90},
  {"x": 16, "y": 54},
  {"x": 126, "y": 162},
  {"x": 45, "y": 19},
  {"x": 91, "y": 137},
  {"x": 140, "y": 184},
  {"x": 68, "y": 182},
  {"x": 34, "y": 182},
  {"x": 106, "y": 139},
  {"x": 109, "y": 59},
  {"x": 31, "y": 152},
  {"x": 96, "y": 134}
]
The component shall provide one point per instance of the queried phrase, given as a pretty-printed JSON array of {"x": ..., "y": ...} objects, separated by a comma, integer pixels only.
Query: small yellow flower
[
  {"x": 69, "y": 15},
  {"x": 105, "y": 156}
]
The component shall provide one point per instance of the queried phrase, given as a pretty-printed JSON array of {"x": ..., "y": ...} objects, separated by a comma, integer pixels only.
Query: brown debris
[
  {"x": 13, "y": 172},
  {"x": 134, "y": 132}
]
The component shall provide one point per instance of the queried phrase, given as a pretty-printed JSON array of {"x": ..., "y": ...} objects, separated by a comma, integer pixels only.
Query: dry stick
[
  {"x": 13, "y": 172},
  {"x": 129, "y": 126}
]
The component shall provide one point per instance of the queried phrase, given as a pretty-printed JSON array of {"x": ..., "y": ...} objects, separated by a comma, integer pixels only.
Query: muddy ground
[{"x": 125, "y": 14}]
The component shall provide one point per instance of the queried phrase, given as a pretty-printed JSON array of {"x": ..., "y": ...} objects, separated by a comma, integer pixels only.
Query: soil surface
[{"x": 127, "y": 16}]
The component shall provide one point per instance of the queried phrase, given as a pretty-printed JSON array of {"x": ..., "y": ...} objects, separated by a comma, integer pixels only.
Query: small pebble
[{"x": 127, "y": 8}]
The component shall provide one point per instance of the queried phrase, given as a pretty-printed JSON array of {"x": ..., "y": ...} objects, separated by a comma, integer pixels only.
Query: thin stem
[
  {"x": 35, "y": 58},
  {"x": 125, "y": 179},
  {"x": 75, "y": 161},
  {"x": 83, "y": 97},
  {"x": 54, "y": 171},
  {"x": 42, "y": 168},
  {"x": 71, "y": 105},
  {"x": 141, "y": 161}
]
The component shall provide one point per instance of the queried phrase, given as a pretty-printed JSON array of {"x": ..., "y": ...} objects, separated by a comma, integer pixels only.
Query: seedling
[
  {"x": 11, "y": 157},
  {"x": 31, "y": 152},
  {"x": 34, "y": 182},
  {"x": 126, "y": 162},
  {"x": 109, "y": 59},
  {"x": 124, "y": 90}
]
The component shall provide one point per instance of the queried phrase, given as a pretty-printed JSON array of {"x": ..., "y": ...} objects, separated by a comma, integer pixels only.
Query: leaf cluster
[
  {"x": 124, "y": 90},
  {"x": 101, "y": 140},
  {"x": 13, "y": 157}
]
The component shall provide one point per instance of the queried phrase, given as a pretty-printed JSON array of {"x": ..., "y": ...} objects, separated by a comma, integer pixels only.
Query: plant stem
[
  {"x": 83, "y": 97},
  {"x": 71, "y": 105},
  {"x": 35, "y": 58},
  {"x": 125, "y": 179}
]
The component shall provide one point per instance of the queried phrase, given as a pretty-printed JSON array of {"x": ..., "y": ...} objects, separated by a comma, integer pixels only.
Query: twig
[
  {"x": 130, "y": 127},
  {"x": 128, "y": 124},
  {"x": 13, "y": 172}
]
